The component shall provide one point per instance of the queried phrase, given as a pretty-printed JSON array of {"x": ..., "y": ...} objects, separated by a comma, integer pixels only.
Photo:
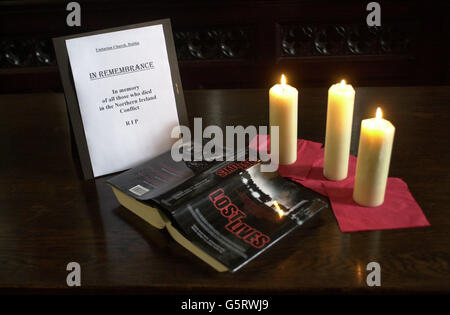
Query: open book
[{"x": 224, "y": 212}]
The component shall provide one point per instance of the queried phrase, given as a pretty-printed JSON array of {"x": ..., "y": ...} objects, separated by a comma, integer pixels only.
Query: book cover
[{"x": 229, "y": 210}]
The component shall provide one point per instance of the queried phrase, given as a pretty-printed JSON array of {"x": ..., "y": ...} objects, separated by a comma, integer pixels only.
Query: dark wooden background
[{"x": 247, "y": 43}]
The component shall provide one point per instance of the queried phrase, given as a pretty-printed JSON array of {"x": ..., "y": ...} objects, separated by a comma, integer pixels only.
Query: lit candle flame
[
  {"x": 283, "y": 80},
  {"x": 278, "y": 209},
  {"x": 343, "y": 82},
  {"x": 379, "y": 114}
]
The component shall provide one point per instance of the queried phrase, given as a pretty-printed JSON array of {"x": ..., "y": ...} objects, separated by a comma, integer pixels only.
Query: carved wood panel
[
  {"x": 306, "y": 40},
  {"x": 247, "y": 43},
  {"x": 208, "y": 43}
]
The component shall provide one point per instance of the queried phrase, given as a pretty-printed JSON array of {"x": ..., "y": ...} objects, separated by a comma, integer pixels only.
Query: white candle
[
  {"x": 283, "y": 100},
  {"x": 374, "y": 156},
  {"x": 341, "y": 98}
]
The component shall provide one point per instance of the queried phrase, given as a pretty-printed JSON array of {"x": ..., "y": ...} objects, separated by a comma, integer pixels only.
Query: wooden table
[{"x": 49, "y": 216}]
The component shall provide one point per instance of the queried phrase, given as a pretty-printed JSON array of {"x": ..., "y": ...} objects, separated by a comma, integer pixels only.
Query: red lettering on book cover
[
  {"x": 235, "y": 218},
  {"x": 235, "y": 166}
]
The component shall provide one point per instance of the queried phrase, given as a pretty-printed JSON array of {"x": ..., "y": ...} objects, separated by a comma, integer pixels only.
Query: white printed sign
[{"x": 126, "y": 96}]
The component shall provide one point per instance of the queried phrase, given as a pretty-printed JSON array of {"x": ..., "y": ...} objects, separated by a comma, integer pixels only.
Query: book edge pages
[
  {"x": 149, "y": 214},
  {"x": 157, "y": 219},
  {"x": 183, "y": 241}
]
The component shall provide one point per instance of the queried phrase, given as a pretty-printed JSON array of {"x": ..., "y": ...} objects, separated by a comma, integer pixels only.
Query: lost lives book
[{"x": 225, "y": 212}]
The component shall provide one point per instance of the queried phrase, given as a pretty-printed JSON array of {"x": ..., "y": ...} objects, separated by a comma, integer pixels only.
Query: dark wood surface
[{"x": 50, "y": 217}]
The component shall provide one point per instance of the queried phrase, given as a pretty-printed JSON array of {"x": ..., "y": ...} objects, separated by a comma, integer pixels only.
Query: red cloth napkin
[
  {"x": 317, "y": 182},
  {"x": 307, "y": 153},
  {"x": 399, "y": 210}
]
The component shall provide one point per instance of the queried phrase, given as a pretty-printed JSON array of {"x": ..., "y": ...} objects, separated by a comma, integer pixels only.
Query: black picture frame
[{"x": 72, "y": 104}]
